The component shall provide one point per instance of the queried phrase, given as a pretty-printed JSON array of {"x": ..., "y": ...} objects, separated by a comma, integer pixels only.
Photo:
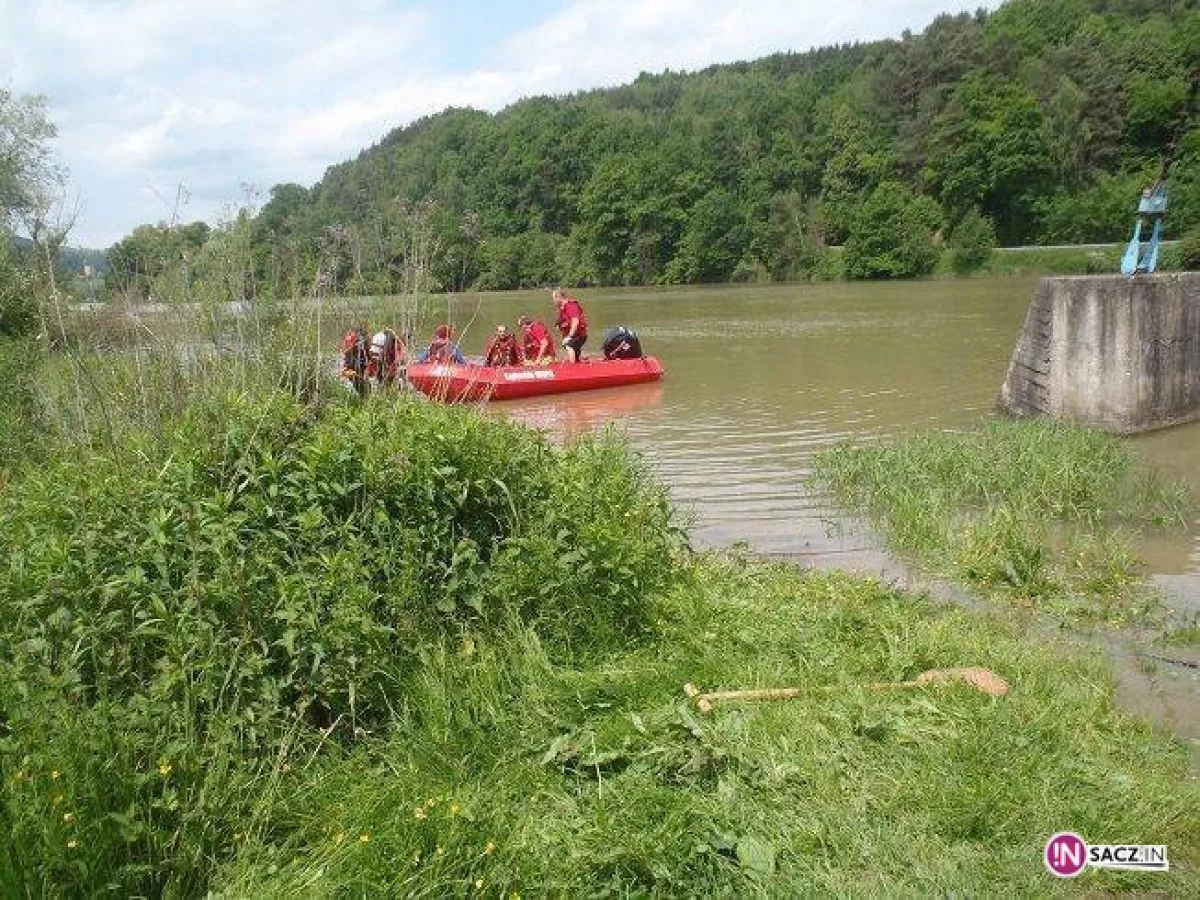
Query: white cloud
[{"x": 149, "y": 94}]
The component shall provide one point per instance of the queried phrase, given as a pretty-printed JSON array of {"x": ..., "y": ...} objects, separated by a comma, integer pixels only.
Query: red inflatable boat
[{"x": 453, "y": 383}]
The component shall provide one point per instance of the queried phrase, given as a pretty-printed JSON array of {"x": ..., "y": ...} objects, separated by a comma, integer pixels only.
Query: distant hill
[
  {"x": 73, "y": 259},
  {"x": 1041, "y": 121}
]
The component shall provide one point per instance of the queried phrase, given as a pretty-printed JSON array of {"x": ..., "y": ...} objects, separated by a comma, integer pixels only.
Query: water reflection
[{"x": 564, "y": 416}]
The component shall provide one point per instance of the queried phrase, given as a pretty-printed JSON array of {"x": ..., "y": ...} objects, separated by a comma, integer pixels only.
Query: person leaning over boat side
[
  {"x": 441, "y": 349},
  {"x": 502, "y": 349},
  {"x": 572, "y": 322},
  {"x": 386, "y": 356},
  {"x": 538, "y": 346}
]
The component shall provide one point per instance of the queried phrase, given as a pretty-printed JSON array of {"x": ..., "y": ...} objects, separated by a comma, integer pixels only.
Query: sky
[{"x": 187, "y": 108}]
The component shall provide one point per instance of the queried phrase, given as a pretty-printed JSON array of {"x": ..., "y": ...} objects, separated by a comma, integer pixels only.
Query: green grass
[
  {"x": 511, "y": 774},
  {"x": 1034, "y": 511},
  {"x": 1103, "y": 260},
  {"x": 262, "y": 641},
  {"x": 20, "y": 435}
]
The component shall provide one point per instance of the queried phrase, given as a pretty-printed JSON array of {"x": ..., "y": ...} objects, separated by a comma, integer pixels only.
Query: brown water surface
[{"x": 759, "y": 378}]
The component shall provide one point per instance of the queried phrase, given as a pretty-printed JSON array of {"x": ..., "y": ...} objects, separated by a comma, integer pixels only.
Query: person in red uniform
[
  {"x": 386, "y": 355},
  {"x": 572, "y": 322},
  {"x": 502, "y": 349},
  {"x": 538, "y": 347},
  {"x": 442, "y": 349},
  {"x": 355, "y": 360}
]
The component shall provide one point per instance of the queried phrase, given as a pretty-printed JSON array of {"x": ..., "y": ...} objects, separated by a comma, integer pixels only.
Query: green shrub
[
  {"x": 971, "y": 243},
  {"x": 1189, "y": 251},
  {"x": 194, "y": 612},
  {"x": 892, "y": 235},
  {"x": 20, "y": 436},
  {"x": 18, "y": 304}
]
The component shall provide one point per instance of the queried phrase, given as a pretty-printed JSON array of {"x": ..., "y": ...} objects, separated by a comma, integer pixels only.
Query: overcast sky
[{"x": 217, "y": 94}]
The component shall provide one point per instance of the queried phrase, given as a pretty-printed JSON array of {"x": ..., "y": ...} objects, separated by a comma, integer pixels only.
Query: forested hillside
[{"x": 1038, "y": 123}]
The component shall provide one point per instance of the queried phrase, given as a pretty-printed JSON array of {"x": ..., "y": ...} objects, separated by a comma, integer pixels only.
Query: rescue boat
[{"x": 455, "y": 383}]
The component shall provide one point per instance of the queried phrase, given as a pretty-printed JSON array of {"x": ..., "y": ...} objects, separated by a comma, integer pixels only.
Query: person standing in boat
[
  {"x": 441, "y": 349},
  {"x": 538, "y": 347},
  {"x": 502, "y": 349},
  {"x": 572, "y": 322}
]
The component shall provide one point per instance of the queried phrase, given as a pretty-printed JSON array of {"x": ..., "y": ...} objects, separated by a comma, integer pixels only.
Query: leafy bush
[
  {"x": 892, "y": 235},
  {"x": 971, "y": 243},
  {"x": 189, "y": 615},
  {"x": 1189, "y": 251},
  {"x": 18, "y": 306}
]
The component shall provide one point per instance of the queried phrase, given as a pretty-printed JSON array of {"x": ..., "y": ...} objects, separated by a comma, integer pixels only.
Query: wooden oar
[{"x": 980, "y": 679}]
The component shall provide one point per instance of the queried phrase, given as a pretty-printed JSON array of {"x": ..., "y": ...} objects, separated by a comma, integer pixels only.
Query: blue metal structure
[
  {"x": 1151, "y": 209},
  {"x": 1153, "y": 204}
]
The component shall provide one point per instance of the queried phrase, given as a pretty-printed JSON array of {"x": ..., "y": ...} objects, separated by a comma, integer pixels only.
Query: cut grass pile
[
  {"x": 1036, "y": 510},
  {"x": 512, "y": 775}
]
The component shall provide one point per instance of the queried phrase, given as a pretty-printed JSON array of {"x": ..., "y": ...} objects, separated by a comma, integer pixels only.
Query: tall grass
[
  {"x": 1036, "y": 510},
  {"x": 20, "y": 434}
]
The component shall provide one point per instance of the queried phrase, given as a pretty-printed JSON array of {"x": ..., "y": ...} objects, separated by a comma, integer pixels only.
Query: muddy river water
[{"x": 759, "y": 378}]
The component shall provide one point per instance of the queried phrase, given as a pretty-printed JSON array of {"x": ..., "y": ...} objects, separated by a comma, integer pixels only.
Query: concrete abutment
[{"x": 1117, "y": 353}]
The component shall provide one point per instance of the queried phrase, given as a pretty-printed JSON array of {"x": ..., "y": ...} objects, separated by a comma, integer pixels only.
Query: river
[{"x": 759, "y": 378}]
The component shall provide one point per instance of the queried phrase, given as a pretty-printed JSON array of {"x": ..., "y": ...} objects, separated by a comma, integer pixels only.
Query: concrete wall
[{"x": 1118, "y": 353}]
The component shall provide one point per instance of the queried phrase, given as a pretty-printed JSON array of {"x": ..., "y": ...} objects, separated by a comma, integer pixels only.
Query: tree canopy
[
  {"x": 1043, "y": 119},
  {"x": 29, "y": 174}
]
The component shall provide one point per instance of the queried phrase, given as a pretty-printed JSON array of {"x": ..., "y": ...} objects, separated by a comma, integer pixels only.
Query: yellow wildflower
[
  {"x": 164, "y": 769},
  {"x": 438, "y": 850},
  {"x": 419, "y": 812},
  {"x": 339, "y": 837},
  {"x": 72, "y": 844},
  {"x": 58, "y": 798},
  {"x": 489, "y": 847},
  {"x": 54, "y": 774},
  {"x": 454, "y": 809},
  {"x": 364, "y": 838},
  {"x": 68, "y": 817},
  {"x": 479, "y": 884},
  {"x": 432, "y": 801}
]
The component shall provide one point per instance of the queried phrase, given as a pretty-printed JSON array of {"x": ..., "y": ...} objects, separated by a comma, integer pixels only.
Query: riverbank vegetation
[
  {"x": 285, "y": 646},
  {"x": 1038, "y": 123},
  {"x": 1036, "y": 511},
  {"x": 261, "y": 639}
]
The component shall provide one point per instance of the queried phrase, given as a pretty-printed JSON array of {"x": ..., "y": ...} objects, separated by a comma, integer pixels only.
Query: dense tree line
[{"x": 1037, "y": 123}]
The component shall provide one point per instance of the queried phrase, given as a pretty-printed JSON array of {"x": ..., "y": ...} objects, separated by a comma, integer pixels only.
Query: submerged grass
[
  {"x": 1035, "y": 510},
  {"x": 515, "y": 775}
]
